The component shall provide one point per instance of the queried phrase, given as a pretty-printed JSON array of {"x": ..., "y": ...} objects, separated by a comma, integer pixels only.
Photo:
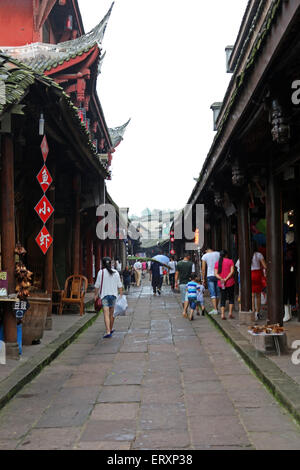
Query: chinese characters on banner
[{"x": 44, "y": 208}]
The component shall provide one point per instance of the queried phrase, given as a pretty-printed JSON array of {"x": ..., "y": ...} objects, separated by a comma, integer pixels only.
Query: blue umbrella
[{"x": 162, "y": 259}]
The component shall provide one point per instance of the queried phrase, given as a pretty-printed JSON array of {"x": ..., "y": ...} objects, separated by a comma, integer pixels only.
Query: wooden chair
[{"x": 74, "y": 292}]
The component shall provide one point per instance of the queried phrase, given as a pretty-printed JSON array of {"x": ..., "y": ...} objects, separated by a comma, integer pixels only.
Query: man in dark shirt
[
  {"x": 184, "y": 269},
  {"x": 156, "y": 277}
]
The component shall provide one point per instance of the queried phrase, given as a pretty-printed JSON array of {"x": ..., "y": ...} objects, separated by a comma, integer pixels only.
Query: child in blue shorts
[
  {"x": 200, "y": 298},
  {"x": 192, "y": 289}
]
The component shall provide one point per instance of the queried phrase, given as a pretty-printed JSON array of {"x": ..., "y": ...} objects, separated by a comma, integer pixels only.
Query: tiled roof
[
  {"x": 15, "y": 80},
  {"x": 44, "y": 57}
]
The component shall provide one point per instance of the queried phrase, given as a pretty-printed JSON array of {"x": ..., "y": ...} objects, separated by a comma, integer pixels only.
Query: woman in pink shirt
[{"x": 224, "y": 271}]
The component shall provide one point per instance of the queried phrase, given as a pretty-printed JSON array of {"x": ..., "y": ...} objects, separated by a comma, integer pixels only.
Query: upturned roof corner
[
  {"x": 42, "y": 56},
  {"x": 117, "y": 133}
]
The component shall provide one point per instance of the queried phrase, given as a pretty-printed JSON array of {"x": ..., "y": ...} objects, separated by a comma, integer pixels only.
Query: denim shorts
[
  {"x": 192, "y": 303},
  {"x": 183, "y": 292},
  {"x": 109, "y": 301},
  {"x": 214, "y": 289}
]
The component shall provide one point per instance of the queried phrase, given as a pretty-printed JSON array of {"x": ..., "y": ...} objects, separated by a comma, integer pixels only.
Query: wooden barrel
[{"x": 34, "y": 320}]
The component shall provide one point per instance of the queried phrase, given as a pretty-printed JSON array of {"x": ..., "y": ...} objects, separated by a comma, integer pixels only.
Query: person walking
[
  {"x": 224, "y": 272},
  {"x": 156, "y": 277},
  {"x": 238, "y": 268},
  {"x": 132, "y": 272},
  {"x": 172, "y": 271},
  {"x": 200, "y": 298},
  {"x": 118, "y": 265},
  {"x": 184, "y": 269},
  {"x": 138, "y": 272},
  {"x": 144, "y": 269},
  {"x": 108, "y": 285},
  {"x": 258, "y": 264},
  {"x": 192, "y": 289},
  {"x": 126, "y": 278},
  {"x": 209, "y": 259}
]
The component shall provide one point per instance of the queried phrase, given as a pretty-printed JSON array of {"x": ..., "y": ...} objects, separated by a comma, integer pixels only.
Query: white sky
[{"x": 164, "y": 67}]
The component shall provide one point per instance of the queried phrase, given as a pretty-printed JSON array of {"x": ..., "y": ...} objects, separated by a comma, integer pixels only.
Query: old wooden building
[
  {"x": 48, "y": 98},
  {"x": 249, "y": 182}
]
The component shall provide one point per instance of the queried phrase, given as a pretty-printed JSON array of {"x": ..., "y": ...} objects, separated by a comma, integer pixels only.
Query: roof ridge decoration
[
  {"x": 101, "y": 60},
  {"x": 42, "y": 56},
  {"x": 117, "y": 133}
]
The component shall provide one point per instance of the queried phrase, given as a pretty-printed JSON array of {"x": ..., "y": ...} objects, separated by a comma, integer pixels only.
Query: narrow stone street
[{"x": 161, "y": 382}]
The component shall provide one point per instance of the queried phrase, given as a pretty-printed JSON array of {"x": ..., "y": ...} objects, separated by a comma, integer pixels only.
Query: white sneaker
[
  {"x": 257, "y": 316},
  {"x": 214, "y": 312},
  {"x": 288, "y": 313}
]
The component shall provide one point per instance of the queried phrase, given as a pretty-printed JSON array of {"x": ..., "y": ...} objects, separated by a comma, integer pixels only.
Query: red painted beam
[
  {"x": 70, "y": 63},
  {"x": 43, "y": 13}
]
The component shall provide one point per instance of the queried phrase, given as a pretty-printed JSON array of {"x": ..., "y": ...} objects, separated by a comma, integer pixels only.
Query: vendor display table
[{"x": 275, "y": 337}]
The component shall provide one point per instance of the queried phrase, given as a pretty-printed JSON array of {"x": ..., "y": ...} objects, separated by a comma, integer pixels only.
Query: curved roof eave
[{"x": 42, "y": 56}]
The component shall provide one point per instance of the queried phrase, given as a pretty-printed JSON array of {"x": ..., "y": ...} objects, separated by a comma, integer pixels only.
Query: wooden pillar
[
  {"x": 76, "y": 228},
  {"x": 224, "y": 233},
  {"x": 98, "y": 254},
  {"x": 214, "y": 241},
  {"x": 297, "y": 240},
  {"x": 244, "y": 254},
  {"x": 89, "y": 256},
  {"x": 81, "y": 256},
  {"x": 8, "y": 240},
  {"x": 48, "y": 273},
  {"x": 274, "y": 251}
]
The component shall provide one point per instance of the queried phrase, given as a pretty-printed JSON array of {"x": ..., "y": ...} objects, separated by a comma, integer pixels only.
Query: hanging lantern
[
  {"x": 281, "y": 132},
  {"x": 82, "y": 114},
  {"x": 238, "y": 175},
  {"x": 218, "y": 199},
  {"x": 41, "y": 125},
  {"x": 95, "y": 144},
  {"x": 69, "y": 23}
]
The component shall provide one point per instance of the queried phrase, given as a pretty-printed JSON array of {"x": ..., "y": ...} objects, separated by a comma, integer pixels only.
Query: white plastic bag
[
  {"x": 264, "y": 298},
  {"x": 121, "y": 306}
]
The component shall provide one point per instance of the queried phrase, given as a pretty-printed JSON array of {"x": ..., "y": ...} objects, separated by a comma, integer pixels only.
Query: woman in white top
[
  {"x": 257, "y": 266},
  {"x": 172, "y": 271},
  {"x": 107, "y": 287}
]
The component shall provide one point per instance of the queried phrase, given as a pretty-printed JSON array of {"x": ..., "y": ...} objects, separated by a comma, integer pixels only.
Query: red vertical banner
[{"x": 44, "y": 208}]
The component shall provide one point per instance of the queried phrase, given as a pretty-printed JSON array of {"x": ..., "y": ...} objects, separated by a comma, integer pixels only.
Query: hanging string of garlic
[{"x": 23, "y": 281}]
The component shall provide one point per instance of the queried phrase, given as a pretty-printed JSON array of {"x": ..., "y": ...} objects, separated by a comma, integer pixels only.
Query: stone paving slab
[
  {"x": 120, "y": 394},
  {"x": 166, "y": 439},
  {"x": 211, "y": 405},
  {"x": 50, "y": 439},
  {"x": 105, "y": 430},
  {"x": 163, "y": 416},
  {"x": 225, "y": 430}
]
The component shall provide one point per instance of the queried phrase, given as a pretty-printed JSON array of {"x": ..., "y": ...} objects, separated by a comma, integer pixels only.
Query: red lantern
[{"x": 69, "y": 23}]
